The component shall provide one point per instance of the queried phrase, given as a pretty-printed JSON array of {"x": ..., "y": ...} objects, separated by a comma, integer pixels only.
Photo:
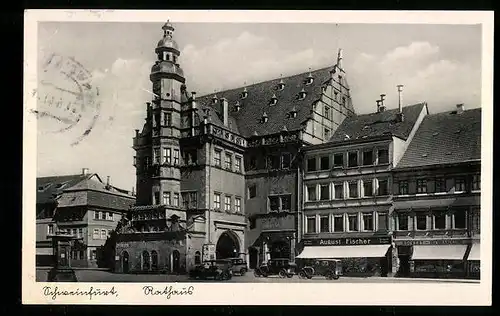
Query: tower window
[
  {"x": 167, "y": 57},
  {"x": 175, "y": 59},
  {"x": 167, "y": 119}
]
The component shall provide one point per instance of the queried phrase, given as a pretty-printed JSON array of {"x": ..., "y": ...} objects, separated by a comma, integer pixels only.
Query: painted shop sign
[
  {"x": 432, "y": 242},
  {"x": 276, "y": 223},
  {"x": 348, "y": 241}
]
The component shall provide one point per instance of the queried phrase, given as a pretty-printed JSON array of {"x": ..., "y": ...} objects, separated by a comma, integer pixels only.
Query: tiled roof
[
  {"x": 248, "y": 118},
  {"x": 445, "y": 138},
  {"x": 49, "y": 187},
  {"x": 378, "y": 124}
]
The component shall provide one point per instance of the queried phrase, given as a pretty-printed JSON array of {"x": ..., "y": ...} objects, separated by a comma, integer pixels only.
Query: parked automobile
[
  {"x": 213, "y": 269},
  {"x": 239, "y": 265},
  {"x": 329, "y": 268},
  {"x": 281, "y": 266}
]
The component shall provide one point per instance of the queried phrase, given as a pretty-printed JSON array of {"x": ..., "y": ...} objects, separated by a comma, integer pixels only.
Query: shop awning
[
  {"x": 337, "y": 252},
  {"x": 475, "y": 252},
  {"x": 44, "y": 251},
  {"x": 439, "y": 252}
]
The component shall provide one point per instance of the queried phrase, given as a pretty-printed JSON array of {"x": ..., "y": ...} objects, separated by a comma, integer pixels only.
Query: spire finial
[
  {"x": 167, "y": 28},
  {"x": 339, "y": 58}
]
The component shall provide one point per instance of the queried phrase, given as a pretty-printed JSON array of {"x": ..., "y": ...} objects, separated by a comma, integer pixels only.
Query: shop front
[
  {"x": 474, "y": 261},
  {"x": 364, "y": 256},
  {"x": 432, "y": 258}
]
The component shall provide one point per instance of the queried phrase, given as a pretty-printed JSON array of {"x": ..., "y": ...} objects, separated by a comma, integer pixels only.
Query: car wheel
[
  {"x": 282, "y": 274},
  {"x": 302, "y": 275},
  {"x": 256, "y": 273},
  {"x": 243, "y": 271},
  {"x": 335, "y": 276},
  {"x": 289, "y": 275}
]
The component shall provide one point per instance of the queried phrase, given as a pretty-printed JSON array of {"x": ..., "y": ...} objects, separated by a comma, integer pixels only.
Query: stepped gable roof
[
  {"x": 445, "y": 138},
  {"x": 248, "y": 118},
  {"x": 378, "y": 124}
]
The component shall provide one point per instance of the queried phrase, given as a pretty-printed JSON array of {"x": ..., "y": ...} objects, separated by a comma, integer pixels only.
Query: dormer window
[
  {"x": 237, "y": 106},
  {"x": 293, "y": 112},
  {"x": 302, "y": 94},
  {"x": 309, "y": 79},
  {"x": 274, "y": 99},
  {"x": 265, "y": 118},
  {"x": 214, "y": 99},
  {"x": 244, "y": 94},
  {"x": 281, "y": 85}
]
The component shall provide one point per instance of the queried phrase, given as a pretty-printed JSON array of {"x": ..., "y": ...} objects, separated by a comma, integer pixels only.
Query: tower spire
[{"x": 339, "y": 59}]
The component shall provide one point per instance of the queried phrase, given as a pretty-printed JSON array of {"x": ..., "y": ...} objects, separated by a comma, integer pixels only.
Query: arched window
[
  {"x": 197, "y": 257},
  {"x": 145, "y": 260},
  {"x": 154, "y": 260}
]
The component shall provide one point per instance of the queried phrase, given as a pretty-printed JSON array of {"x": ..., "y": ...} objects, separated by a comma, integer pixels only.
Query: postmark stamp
[{"x": 66, "y": 98}]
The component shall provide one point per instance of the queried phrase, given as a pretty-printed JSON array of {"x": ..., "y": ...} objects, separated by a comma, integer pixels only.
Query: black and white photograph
[{"x": 176, "y": 153}]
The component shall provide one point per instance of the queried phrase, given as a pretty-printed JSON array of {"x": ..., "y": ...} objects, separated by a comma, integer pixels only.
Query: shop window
[
  {"x": 93, "y": 254},
  {"x": 197, "y": 257},
  {"x": 439, "y": 218},
  {"x": 353, "y": 189},
  {"x": 353, "y": 222},
  {"x": 421, "y": 220},
  {"x": 368, "y": 221},
  {"x": 324, "y": 224},
  {"x": 338, "y": 160},
  {"x": 459, "y": 184},
  {"x": 383, "y": 222},
  {"x": 353, "y": 159},
  {"x": 459, "y": 219},
  {"x": 402, "y": 221},
  {"x": 325, "y": 163},
  {"x": 252, "y": 191},
  {"x": 421, "y": 186},
  {"x": 383, "y": 156},
  {"x": 368, "y": 158},
  {"x": 368, "y": 188},
  {"x": 324, "y": 192},
  {"x": 311, "y": 193},
  {"x": 339, "y": 190},
  {"x": 403, "y": 187},
  {"x": 338, "y": 223},
  {"x": 476, "y": 182},
  {"x": 311, "y": 224},
  {"x": 311, "y": 164}
]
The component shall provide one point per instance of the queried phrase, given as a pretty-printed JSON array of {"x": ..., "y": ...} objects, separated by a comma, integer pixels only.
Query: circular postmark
[{"x": 66, "y": 98}]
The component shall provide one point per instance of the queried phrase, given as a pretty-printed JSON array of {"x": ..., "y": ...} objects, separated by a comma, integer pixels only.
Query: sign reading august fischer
[{"x": 348, "y": 241}]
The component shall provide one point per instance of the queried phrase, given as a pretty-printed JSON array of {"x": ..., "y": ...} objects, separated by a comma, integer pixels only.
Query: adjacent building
[
  {"x": 347, "y": 187},
  {"x": 81, "y": 205},
  {"x": 437, "y": 190}
]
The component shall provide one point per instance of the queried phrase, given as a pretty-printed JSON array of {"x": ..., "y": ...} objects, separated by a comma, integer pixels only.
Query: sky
[{"x": 437, "y": 64}]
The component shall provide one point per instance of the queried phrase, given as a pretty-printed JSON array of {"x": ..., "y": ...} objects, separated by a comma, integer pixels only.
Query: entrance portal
[
  {"x": 175, "y": 260},
  {"x": 125, "y": 262},
  {"x": 228, "y": 246},
  {"x": 280, "y": 249},
  {"x": 253, "y": 253}
]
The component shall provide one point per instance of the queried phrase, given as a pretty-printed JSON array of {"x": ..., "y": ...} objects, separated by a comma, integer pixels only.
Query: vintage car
[
  {"x": 212, "y": 269},
  {"x": 282, "y": 267},
  {"x": 329, "y": 268},
  {"x": 239, "y": 265}
]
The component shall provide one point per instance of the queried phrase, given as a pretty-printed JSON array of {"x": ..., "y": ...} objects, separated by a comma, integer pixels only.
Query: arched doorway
[
  {"x": 146, "y": 263},
  {"x": 228, "y": 246},
  {"x": 280, "y": 249},
  {"x": 125, "y": 262},
  {"x": 176, "y": 255},
  {"x": 197, "y": 257},
  {"x": 154, "y": 260},
  {"x": 253, "y": 253}
]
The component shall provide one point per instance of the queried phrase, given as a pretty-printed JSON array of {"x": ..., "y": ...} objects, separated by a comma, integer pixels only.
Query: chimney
[
  {"x": 225, "y": 107},
  {"x": 400, "y": 116},
  {"x": 133, "y": 191},
  {"x": 136, "y": 133},
  {"x": 85, "y": 171},
  {"x": 107, "y": 181},
  {"x": 193, "y": 95},
  {"x": 460, "y": 108},
  {"x": 382, "y": 106},
  {"x": 378, "y": 106}
]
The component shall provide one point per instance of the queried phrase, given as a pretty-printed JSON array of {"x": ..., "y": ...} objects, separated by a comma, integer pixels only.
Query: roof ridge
[
  {"x": 267, "y": 81},
  {"x": 61, "y": 176}
]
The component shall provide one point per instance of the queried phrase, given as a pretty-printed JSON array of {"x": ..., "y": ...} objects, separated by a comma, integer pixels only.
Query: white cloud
[{"x": 425, "y": 75}]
